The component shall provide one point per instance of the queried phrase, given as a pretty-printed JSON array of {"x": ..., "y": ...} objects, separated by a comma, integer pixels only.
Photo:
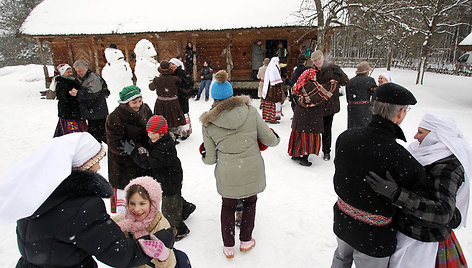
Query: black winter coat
[
  {"x": 67, "y": 106},
  {"x": 358, "y": 95},
  {"x": 72, "y": 225},
  {"x": 92, "y": 96},
  {"x": 358, "y": 151},
  {"x": 207, "y": 73},
  {"x": 186, "y": 87},
  {"x": 165, "y": 165}
]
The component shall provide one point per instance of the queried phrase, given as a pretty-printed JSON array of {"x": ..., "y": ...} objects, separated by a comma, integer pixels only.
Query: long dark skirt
[
  {"x": 66, "y": 126},
  {"x": 304, "y": 143}
]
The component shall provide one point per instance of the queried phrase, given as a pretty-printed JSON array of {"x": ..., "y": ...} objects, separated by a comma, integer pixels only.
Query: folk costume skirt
[
  {"x": 66, "y": 126},
  {"x": 304, "y": 143},
  {"x": 268, "y": 110}
]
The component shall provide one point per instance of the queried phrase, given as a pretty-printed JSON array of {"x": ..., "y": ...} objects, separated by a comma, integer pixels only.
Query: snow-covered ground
[{"x": 294, "y": 213}]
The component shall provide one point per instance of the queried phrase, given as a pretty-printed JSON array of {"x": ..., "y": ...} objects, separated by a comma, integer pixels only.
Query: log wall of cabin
[{"x": 209, "y": 44}]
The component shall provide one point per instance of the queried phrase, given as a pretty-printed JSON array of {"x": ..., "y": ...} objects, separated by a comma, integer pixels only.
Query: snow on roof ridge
[{"x": 63, "y": 17}]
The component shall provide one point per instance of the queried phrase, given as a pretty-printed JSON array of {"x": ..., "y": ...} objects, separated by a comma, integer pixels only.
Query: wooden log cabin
[{"x": 71, "y": 40}]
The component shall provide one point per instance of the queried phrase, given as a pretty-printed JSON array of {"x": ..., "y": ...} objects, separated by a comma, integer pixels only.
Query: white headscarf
[
  {"x": 272, "y": 75},
  {"x": 443, "y": 140},
  {"x": 387, "y": 76},
  {"x": 62, "y": 68},
  {"x": 177, "y": 62},
  {"x": 26, "y": 186}
]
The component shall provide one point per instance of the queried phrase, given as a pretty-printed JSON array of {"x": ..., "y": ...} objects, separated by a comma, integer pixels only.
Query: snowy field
[{"x": 294, "y": 213}]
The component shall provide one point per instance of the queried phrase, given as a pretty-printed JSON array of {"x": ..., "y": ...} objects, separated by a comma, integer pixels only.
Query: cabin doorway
[{"x": 272, "y": 47}]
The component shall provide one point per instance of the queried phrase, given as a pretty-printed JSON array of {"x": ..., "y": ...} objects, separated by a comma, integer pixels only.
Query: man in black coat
[
  {"x": 358, "y": 94},
  {"x": 363, "y": 218},
  {"x": 92, "y": 98},
  {"x": 327, "y": 72}
]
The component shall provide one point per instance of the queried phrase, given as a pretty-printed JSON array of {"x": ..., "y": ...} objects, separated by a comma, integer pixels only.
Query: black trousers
[
  {"x": 97, "y": 129},
  {"x": 326, "y": 136}
]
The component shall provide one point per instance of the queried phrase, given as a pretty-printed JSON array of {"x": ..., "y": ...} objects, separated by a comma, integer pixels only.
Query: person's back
[{"x": 165, "y": 164}]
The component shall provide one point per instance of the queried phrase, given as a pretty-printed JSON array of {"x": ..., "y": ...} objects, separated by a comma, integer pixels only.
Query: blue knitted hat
[{"x": 221, "y": 89}]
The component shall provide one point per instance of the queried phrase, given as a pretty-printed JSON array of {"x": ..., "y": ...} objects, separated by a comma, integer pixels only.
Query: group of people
[
  {"x": 81, "y": 101},
  {"x": 394, "y": 204}
]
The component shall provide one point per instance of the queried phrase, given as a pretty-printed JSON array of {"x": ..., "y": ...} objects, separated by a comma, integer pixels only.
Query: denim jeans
[{"x": 204, "y": 84}]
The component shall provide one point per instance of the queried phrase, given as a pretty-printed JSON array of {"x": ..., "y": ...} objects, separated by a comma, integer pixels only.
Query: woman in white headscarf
[
  {"x": 61, "y": 217},
  {"x": 385, "y": 77},
  {"x": 447, "y": 158},
  {"x": 272, "y": 91}
]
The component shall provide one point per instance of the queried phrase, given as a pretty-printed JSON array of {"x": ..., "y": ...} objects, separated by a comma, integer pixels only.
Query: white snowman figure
[
  {"x": 146, "y": 68},
  {"x": 117, "y": 72}
]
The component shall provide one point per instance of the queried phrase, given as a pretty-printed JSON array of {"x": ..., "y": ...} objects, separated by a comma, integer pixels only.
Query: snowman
[
  {"x": 117, "y": 72},
  {"x": 146, "y": 68}
]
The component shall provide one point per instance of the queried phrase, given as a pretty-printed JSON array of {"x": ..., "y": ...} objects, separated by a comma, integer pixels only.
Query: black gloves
[
  {"x": 127, "y": 147},
  {"x": 386, "y": 187},
  {"x": 166, "y": 236}
]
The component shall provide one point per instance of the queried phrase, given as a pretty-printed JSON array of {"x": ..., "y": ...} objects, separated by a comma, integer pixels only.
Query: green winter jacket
[{"x": 230, "y": 132}]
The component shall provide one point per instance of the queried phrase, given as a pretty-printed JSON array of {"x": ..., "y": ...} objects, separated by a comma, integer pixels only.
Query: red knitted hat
[{"x": 157, "y": 124}]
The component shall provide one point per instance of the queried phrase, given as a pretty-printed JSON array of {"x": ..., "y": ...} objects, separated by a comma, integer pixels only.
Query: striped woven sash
[
  {"x": 363, "y": 216},
  {"x": 166, "y": 98}
]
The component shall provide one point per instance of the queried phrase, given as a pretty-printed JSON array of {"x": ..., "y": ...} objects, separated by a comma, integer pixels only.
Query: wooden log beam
[
  {"x": 95, "y": 55},
  {"x": 43, "y": 61}
]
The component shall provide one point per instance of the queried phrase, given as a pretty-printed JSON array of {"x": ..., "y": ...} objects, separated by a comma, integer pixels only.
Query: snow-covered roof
[
  {"x": 467, "y": 41},
  {"x": 63, "y": 17}
]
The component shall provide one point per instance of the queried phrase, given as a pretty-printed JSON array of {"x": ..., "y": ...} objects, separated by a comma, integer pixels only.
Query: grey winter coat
[
  {"x": 92, "y": 97},
  {"x": 257, "y": 56},
  {"x": 230, "y": 132}
]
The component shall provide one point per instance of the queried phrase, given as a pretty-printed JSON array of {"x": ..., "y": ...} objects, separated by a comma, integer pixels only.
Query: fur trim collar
[{"x": 218, "y": 107}]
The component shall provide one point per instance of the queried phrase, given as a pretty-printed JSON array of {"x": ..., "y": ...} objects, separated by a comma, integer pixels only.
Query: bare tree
[{"x": 327, "y": 16}]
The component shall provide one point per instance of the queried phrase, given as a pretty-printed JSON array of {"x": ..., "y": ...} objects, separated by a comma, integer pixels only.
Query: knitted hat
[
  {"x": 221, "y": 88},
  {"x": 164, "y": 68},
  {"x": 363, "y": 67},
  {"x": 157, "y": 124},
  {"x": 316, "y": 55},
  {"x": 88, "y": 152},
  {"x": 62, "y": 68},
  {"x": 129, "y": 93},
  {"x": 139, "y": 228},
  {"x": 394, "y": 94}
]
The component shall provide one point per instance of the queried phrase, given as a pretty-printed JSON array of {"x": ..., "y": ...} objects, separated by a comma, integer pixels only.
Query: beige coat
[
  {"x": 230, "y": 132},
  {"x": 261, "y": 75},
  {"x": 159, "y": 223}
]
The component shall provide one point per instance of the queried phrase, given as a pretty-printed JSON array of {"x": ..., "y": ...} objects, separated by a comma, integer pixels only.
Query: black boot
[
  {"x": 326, "y": 157},
  {"x": 188, "y": 208},
  {"x": 172, "y": 207},
  {"x": 304, "y": 161}
]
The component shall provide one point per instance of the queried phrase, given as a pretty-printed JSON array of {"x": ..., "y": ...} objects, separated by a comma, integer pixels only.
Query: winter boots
[
  {"x": 302, "y": 160},
  {"x": 188, "y": 208},
  {"x": 326, "y": 156},
  {"x": 174, "y": 208}
]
